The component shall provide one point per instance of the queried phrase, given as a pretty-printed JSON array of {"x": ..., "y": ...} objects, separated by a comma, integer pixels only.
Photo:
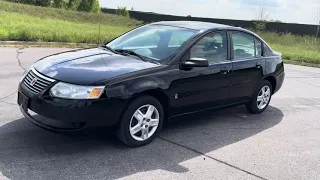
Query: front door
[{"x": 201, "y": 88}]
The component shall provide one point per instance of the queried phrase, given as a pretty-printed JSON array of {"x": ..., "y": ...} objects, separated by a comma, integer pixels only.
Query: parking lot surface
[{"x": 281, "y": 143}]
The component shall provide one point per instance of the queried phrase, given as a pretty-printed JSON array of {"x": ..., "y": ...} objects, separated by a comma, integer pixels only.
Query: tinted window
[
  {"x": 179, "y": 37},
  {"x": 153, "y": 41},
  {"x": 258, "y": 47},
  {"x": 243, "y": 45},
  {"x": 213, "y": 47},
  {"x": 148, "y": 40}
]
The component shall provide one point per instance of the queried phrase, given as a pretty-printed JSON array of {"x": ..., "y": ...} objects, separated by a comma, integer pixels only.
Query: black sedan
[{"x": 148, "y": 75}]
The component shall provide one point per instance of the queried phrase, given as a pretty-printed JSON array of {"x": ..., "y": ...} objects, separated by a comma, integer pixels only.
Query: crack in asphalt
[
  {"x": 2, "y": 98},
  {"x": 9, "y": 103},
  {"x": 17, "y": 56},
  {"x": 18, "y": 52},
  {"x": 8, "y": 95},
  {"x": 215, "y": 159}
]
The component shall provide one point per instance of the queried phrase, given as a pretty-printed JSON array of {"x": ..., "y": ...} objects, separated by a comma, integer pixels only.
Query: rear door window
[{"x": 243, "y": 45}]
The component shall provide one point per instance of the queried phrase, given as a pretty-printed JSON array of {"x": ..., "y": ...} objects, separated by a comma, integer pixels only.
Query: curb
[
  {"x": 44, "y": 44},
  {"x": 301, "y": 63}
]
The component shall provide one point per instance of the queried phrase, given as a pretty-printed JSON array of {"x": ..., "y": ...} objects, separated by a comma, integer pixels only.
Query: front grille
[{"x": 36, "y": 82}]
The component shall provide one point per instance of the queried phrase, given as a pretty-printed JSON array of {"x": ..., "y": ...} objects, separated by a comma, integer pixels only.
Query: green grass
[
  {"x": 20, "y": 22},
  {"x": 310, "y": 54},
  {"x": 16, "y": 27},
  {"x": 293, "y": 47},
  {"x": 67, "y": 15}
]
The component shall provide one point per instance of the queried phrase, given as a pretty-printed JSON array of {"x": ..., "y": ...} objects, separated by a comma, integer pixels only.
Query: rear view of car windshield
[{"x": 153, "y": 41}]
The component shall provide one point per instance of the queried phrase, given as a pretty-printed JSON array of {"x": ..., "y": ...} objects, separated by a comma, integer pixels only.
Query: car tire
[
  {"x": 261, "y": 98},
  {"x": 138, "y": 115}
]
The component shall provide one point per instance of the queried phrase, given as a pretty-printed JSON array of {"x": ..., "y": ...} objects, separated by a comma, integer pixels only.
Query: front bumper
[{"x": 69, "y": 115}]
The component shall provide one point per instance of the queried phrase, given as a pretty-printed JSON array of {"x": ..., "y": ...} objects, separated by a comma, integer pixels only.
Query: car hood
[{"x": 86, "y": 66}]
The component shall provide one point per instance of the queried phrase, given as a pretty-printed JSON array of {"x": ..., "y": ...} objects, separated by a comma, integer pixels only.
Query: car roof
[
  {"x": 196, "y": 25},
  {"x": 204, "y": 26}
]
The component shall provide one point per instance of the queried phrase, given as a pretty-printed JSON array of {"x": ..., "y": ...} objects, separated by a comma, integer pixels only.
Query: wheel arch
[
  {"x": 158, "y": 94},
  {"x": 273, "y": 82}
]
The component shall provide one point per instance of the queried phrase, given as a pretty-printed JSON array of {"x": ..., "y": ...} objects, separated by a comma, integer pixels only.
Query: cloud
[
  {"x": 297, "y": 11},
  {"x": 267, "y": 3}
]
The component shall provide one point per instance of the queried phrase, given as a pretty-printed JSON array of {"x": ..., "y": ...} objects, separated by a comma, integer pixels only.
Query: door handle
[{"x": 224, "y": 70}]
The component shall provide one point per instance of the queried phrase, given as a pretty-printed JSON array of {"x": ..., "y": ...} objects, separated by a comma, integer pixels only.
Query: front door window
[{"x": 213, "y": 47}]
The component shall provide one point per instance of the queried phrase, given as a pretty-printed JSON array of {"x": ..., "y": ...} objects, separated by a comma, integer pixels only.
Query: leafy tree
[
  {"x": 274, "y": 20},
  {"x": 89, "y": 6},
  {"x": 261, "y": 16},
  {"x": 95, "y": 6},
  {"x": 122, "y": 11},
  {"x": 23, "y": 1},
  {"x": 83, "y": 6},
  {"x": 30, "y": 1},
  {"x": 43, "y": 2},
  {"x": 73, "y": 4},
  {"x": 59, "y": 3}
]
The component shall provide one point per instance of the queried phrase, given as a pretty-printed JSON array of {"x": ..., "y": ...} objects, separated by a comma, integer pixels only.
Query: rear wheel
[
  {"x": 141, "y": 122},
  {"x": 261, "y": 98}
]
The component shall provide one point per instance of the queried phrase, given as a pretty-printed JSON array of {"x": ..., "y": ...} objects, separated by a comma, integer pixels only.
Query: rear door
[{"x": 248, "y": 65}]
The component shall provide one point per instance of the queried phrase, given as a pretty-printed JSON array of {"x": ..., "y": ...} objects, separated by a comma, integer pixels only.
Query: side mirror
[{"x": 195, "y": 62}]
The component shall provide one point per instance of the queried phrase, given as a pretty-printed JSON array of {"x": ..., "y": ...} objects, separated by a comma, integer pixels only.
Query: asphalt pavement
[{"x": 282, "y": 143}]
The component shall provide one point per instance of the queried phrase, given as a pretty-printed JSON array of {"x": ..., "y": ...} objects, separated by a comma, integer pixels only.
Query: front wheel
[
  {"x": 261, "y": 98},
  {"x": 141, "y": 121}
]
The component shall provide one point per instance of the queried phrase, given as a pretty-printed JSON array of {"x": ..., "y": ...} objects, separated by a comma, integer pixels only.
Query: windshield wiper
[
  {"x": 109, "y": 48},
  {"x": 124, "y": 51},
  {"x": 128, "y": 52}
]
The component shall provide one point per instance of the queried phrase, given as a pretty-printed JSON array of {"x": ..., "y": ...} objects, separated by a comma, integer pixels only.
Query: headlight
[{"x": 69, "y": 91}]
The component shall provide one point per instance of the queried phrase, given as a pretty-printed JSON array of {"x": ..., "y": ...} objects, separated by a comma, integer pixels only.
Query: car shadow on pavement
[{"x": 28, "y": 152}]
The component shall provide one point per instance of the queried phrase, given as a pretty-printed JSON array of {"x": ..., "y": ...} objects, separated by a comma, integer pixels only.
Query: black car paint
[
  {"x": 85, "y": 66},
  {"x": 192, "y": 86},
  {"x": 179, "y": 90}
]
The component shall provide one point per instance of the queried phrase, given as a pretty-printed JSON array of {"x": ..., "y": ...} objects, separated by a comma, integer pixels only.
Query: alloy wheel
[
  {"x": 144, "y": 122},
  {"x": 263, "y": 97}
]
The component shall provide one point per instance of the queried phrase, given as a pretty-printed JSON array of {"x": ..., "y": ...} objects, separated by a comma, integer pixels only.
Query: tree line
[{"x": 78, "y": 5}]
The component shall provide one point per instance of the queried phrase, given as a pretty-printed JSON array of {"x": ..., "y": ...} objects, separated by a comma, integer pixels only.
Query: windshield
[{"x": 156, "y": 42}]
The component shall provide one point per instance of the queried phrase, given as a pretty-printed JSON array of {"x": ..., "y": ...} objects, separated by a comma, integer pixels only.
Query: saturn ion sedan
[{"x": 148, "y": 75}]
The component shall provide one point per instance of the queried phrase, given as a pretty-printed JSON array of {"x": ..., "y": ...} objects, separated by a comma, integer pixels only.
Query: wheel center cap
[{"x": 145, "y": 121}]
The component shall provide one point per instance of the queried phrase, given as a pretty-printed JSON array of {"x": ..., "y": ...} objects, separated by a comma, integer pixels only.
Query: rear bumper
[
  {"x": 71, "y": 115},
  {"x": 279, "y": 80}
]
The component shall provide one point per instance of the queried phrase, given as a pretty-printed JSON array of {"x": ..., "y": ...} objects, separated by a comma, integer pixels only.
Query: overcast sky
[{"x": 298, "y": 11}]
